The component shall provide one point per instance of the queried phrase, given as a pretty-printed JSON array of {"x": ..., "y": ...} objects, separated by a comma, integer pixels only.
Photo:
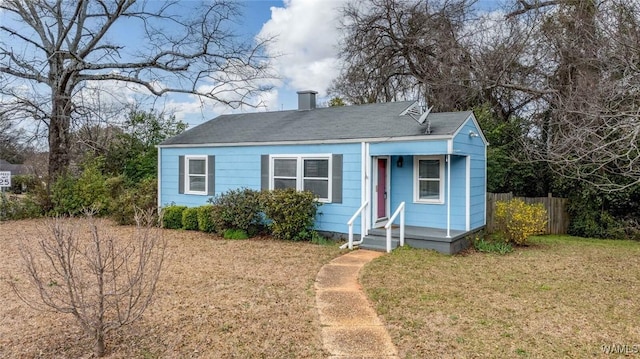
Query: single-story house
[
  {"x": 371, "y": 158},
  {"x": 16, "y": 170}
]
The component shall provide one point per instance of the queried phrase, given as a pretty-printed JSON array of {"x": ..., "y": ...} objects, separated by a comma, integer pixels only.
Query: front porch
[{"x": 419, "y": 237}]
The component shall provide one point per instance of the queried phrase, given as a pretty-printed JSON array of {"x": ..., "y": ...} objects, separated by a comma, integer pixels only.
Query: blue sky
[
  {"x": 304, "y": 51},
  {"x": 306, "y": 43}
]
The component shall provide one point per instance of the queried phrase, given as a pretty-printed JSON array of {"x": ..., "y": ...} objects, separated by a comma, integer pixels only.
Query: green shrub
[
  {"x": 318, "y": 239},
  {"x": 596, "y": 223},
  {"x": 292, "y": 213},
  {"x": 516, "y": 220},
  {"x": 237, "y": 209},
  {"x": 115, "y": 186},
  {"x": 13, "y": 207},
  {"x": 488, "y": 246},
  {"x": 190, "y": 219},
  {"x": 205, "y": 219},
  {"x": 631, "y": 228},
  {"x": 64, "y": 198},
  {"x": 91, "y": 189},
  {"x": 124, "y": 201},
  {"x": 23, "y": 183},
  {"x": 172, "y": 217},
  {"x": 71, "y": 196},
  {"x": 235, "y": 234}
]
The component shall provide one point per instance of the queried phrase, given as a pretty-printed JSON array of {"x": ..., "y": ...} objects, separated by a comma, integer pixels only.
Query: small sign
[{"x": 5, "y": 178}]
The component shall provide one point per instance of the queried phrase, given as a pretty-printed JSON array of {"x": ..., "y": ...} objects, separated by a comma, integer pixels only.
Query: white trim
[
  {"x": 468, "y": 194},
  {"x": 367, "y": 188},
  {"x": 448, "y": 196},
  {"x": 363, "y": 188},
  {"x": 159, "y": 178},
  {"x": 449, "y": 146},
  {"x": 187, "y": 183},
  {"x": 476, "y": 124},
  {"x": 418, "y": 138},
  {"x": 379, "y": 222},
  {"x": 416, "y": 182},
  {"x": 485, "y": 187},
  {"x": 300, "y": 158}
]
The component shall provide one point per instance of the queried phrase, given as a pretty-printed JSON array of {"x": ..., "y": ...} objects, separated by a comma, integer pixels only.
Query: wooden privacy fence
[{"x": 557, "y": 216}]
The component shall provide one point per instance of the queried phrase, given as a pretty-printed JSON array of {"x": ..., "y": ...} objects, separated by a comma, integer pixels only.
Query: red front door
[{"x": 382, "y": 188}]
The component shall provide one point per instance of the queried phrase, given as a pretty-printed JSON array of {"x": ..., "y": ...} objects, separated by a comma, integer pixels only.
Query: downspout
[
  {"x": 363, "y": 188},
  {"x": 467, "y": 214},
  {"x": 159, "y": 179},
  {"x": 448, "y": 196}
]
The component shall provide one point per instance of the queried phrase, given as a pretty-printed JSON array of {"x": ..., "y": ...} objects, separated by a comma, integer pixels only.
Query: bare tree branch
[
  {"x": 529, "y": 6},
  {"x": 63, "y": 46},
  {"x": 77, "y": 268}
]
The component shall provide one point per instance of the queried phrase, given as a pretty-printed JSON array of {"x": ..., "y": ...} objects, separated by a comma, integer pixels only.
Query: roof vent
[{"x": 306, "y": 100}]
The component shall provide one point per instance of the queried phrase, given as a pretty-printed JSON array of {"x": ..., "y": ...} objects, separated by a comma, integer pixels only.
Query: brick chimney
[{"x": 306, "y": 100}]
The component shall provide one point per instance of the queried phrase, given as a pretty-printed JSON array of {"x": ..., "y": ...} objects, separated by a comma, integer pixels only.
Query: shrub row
[
  {"x": 107, "y": 196},
  {"x": 23, "y": 183},
  {"x": 70, "y": 196},
  {"x": 13, "y": 207},
  {"x": 286, "y": 214}
]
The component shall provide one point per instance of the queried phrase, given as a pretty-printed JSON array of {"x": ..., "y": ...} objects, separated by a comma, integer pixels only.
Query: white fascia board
[
  {"x": 475, "y": 122},
  {"x": 316, "y": 142}
]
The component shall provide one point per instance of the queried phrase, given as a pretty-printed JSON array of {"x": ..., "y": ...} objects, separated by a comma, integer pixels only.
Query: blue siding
[
  {"x": 429, "y": 215},
  {"x": 476, "y": 149},
  {"x": 238, "y": 167}
]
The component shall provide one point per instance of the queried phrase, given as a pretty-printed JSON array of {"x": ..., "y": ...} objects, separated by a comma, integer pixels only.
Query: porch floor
[{"x": 420, "y": 237}]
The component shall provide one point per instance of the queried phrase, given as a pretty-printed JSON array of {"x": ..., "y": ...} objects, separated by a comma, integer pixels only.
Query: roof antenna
[
  {"x": 426, "y": 111},
  {"x": 419, "y": 113}
]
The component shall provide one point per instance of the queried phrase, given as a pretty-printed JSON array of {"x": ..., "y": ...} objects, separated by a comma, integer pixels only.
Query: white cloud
[{"x": 305, "y": 48}]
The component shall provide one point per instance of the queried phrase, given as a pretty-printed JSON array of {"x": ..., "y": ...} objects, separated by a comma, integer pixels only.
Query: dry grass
[
  {"x": 560, "y": 297},
  {"x": 216, "y": 298}
]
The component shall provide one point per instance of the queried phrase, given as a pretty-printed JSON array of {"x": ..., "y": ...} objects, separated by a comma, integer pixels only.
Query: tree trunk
[
  {"x": 59, "y": 142},
  {"x": 98, "y": 348}
]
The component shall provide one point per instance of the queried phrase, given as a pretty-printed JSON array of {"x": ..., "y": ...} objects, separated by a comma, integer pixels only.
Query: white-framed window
[
  {"x": 428, "y": 175},
  {"x": 195, "y": 175},
  {"x": 302, "y": 172}
]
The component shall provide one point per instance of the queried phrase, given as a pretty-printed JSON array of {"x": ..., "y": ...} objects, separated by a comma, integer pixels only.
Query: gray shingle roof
[
  {"x": 15, "y": 169},
  {"x": 331, "y": 123}
]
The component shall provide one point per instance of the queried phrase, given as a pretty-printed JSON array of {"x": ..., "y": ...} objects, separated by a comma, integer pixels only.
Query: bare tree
[
  {"x": 588, "y": 63},
  {"x": 404, "y": 49},
  {"x": 50, "y": 50},
  {"x": 12, "y": 142},
  {"x": 78, "y": 268}
]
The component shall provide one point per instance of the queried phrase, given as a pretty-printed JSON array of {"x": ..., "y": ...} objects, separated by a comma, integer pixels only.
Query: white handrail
[
  {"x": 350, "y": 224},
  {"x": 390, "y": 223}
]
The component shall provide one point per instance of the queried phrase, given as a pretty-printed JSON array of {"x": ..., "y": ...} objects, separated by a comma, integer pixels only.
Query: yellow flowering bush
[{"x": 517, "y": 220}]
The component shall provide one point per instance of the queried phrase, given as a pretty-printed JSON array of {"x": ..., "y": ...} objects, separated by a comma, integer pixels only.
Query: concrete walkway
[{"x": 350, "y": 326}]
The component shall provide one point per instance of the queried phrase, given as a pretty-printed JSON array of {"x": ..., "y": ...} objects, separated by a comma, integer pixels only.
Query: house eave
[
  {"x": 472, "y": 117},
  {"x": 314, "y": 142}
]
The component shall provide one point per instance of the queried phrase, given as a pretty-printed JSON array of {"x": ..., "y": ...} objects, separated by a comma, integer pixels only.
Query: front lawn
[
  {"x": 559, "y": 297},
  {"x": 215, "y": 299}
]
